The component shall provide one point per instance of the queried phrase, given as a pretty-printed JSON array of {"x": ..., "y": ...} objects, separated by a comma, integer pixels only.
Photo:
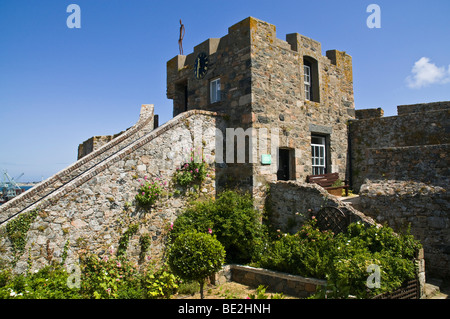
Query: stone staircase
[{"x": 57, "y": 181}]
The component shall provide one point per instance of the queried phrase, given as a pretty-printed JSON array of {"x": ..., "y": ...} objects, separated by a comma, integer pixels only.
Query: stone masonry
[
  {"x": 413, "y": 145},
  {"x": 92, "y": 209},
  {"x": 424, "y": 208},
  {"x": 291, "y": 203},
  {"x": 262, "y": 88},
  {"x": 401, "y": 168}
]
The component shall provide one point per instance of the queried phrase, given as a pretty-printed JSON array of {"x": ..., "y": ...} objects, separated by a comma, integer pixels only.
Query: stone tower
[{"x": 296, "y": 101}]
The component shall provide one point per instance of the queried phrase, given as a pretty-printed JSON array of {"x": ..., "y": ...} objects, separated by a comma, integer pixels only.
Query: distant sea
[{"x": 25, "y": 188}]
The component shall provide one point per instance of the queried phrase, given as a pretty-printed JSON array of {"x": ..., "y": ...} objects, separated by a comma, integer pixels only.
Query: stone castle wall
[
  {"x": 94, "y": 143},
  {"x": 91, "y": 212},
  {"x": 411, "y": 146},
  {"x": 424, "y": 208},
  {"x": 65, "y": 176},
  {"x": 401, "y": 168}
]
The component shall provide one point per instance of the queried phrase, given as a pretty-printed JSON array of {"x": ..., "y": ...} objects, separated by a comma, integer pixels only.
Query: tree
[{"x": 196, "y": 256}]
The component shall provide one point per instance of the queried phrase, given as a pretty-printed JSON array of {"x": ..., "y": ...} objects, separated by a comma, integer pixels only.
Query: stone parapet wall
[
  {"x": 426, "y": 163},
  {"x": 92, "y": 211},
  {"x": 369, "y": 113},
  {"x": 408, "y": 146},
  {"x": 291, "y": 203},
  {"x": 425, "y": 208},
  {"x": 94, "y": 143},
  {"x": 422, "y": 107},
  {"x": 55, "y": 182}
]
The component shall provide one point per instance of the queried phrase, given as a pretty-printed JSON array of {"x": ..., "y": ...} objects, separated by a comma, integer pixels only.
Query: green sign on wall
[{"x": 266, "y": 159}]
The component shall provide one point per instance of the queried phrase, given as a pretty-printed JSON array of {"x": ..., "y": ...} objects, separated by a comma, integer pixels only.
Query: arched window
[{"x": 311, "y": 79}]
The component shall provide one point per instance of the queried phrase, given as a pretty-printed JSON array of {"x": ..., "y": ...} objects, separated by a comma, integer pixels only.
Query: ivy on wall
[
  {"x": 123, "y": 241},
  {"x": 17, "y": 230}
]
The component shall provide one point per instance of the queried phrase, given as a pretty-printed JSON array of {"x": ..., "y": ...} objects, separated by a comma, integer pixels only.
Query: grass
[{"x": 227, "y": 290}]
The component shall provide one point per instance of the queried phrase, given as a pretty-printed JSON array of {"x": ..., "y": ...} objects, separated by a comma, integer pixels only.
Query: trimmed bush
[{"x": 195, "y": 256}]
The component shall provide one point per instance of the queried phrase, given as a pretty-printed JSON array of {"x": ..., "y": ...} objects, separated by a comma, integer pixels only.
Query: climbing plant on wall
[
  {"x": 193, "y": 172},
  {"x": 149, "y": 192},
  {"x": 17, "y": 230}
]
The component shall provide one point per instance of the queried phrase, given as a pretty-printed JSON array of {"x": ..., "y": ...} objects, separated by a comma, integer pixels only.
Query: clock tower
[{"x": 273, "y": 86}]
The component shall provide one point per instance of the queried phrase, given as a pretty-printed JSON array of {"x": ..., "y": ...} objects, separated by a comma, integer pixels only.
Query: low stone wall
[
  {"x": 278, "y": 282},
  {"x": 290, "y": 203},
  {"x": 426, "y": 208},
  {"x": 422, "y": 107}
]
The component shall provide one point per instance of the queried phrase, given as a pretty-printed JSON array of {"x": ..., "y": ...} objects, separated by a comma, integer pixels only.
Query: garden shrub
[
  {"x": 232, "y": 218},
  {"x": 159, "y": 283},
  {"x": 113, "y": 277},
  {"x": 109, "y": 277},
  {"x": 195, "y": 256},
  {"x": 305, "y": 253},
  {"x": 343, "y": 259},
  {"x": 50, "y": 282}
]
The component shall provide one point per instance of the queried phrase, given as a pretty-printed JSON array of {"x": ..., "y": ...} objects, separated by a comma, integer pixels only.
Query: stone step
[
  {"x": 353, "y": 200},
  {"x": 435, "y": 289}
]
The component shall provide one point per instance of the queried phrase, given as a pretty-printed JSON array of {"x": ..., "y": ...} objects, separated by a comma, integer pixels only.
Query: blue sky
[{"x": 60, "y": 86}]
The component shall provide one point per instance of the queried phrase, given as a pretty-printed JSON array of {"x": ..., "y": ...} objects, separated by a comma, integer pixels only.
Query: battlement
[
  {"x": 252, "y": 30},
  {"x": 235, "y": 57}
]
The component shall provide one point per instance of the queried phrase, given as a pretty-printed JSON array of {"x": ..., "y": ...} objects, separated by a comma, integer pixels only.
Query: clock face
[{"x": 201, "y": 65}]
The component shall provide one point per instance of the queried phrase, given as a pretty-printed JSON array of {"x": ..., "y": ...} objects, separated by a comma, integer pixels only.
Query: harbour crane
[{"x": 9, "y": 188}]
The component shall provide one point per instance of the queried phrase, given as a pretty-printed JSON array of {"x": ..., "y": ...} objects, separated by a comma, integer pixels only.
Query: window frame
[
  {"x": 214, "y": 93},
  {"x": 319, "y": 155},
  {"x": 311, "y": 87},
  {"x": 307, "y": 81}
]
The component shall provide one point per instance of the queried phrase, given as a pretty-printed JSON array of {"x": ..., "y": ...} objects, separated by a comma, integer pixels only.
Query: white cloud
[{"x": 425, "y": 73}]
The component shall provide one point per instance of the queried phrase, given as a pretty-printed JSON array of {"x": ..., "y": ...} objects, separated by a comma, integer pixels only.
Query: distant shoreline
[{"x": 27, "y": 184}]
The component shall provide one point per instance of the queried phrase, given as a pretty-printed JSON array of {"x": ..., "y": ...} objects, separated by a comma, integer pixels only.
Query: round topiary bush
[{"x": 196, "y": 256}]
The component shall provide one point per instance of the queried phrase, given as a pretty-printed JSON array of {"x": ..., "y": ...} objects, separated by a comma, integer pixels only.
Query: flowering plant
[
  {"x": 108, "y": 277},
  {"x": 149, "y": 192},
  {"x": 191, "y": 172}
]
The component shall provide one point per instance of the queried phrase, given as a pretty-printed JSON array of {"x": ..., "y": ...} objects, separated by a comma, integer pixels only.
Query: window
[
  {"x": 311, "y": 79},
  {"x": 214, "y": 89},
  {"x": 180, "y": 102},
  {"x": 318, "y": 155},
  {"x": 307, "y": 80}
]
